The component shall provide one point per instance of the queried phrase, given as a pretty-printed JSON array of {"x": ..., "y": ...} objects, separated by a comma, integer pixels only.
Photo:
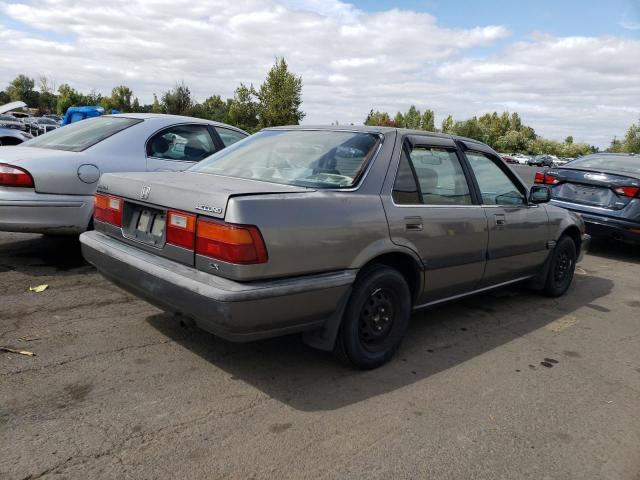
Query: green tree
[
  {"x": 568, "y": 140},
  {"x": 447, "y": 125},
  {"x": 631, "y": 142},
  {"x": 412, "y": 118},
  {"x": 469, "y": 128},
  {"x": 67, "y": 97},
  {"x": 428, "y": 121},
  {"x": 511, "y": 142},
  {"x": 177, "y": 101},
  {"x": 4, "y": 97},
  {"x": 213, "y": 108},
  {"x": 400, "y": 120},
  {"x": 243, "y": 110},
  {"x": 121, "y": 98},
  {"x": 280, "y": 97},
  {"x": 22, "y": 88},
  {"x": 155, "y": 106}
]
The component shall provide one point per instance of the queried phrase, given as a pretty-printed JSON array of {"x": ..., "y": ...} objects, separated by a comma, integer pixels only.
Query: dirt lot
[{"x": 505, "y": 385}]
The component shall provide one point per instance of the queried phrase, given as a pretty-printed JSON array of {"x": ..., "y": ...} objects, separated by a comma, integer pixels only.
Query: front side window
[
  {"x": 228, "y": 136},
  {"x": 189, "y": 143},
  {"x": 82, "y": 135},
  {"x": 306, "y": 158},
  {"x": 496, "y": 187},
  {"x": 438, "y": 174}
]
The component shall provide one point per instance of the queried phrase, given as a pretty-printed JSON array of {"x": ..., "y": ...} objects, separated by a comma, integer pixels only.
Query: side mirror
[{"x": 539, "y": 194}]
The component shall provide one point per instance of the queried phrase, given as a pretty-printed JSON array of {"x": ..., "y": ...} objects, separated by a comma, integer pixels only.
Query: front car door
[
  {"x": 179, "y": 146},
  {"x": 518, "y": 231},
  {"x": 432, "y": 210}
]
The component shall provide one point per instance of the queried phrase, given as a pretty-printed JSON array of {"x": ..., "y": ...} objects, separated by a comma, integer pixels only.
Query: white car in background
[
  {"x": 520, "y": 158},
  {"x": 47, "y": 183}
]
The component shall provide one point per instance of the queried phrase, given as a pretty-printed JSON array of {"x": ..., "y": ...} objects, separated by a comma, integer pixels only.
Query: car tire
[
  {"x": 561, "y": 267},
  {"x": 376, "y": 318}
]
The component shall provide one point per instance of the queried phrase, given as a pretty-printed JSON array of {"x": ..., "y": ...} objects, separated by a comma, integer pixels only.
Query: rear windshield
[
  {"x": 626, "y": 164},
  {"x": 305, "y": 158},
  {"x": 82, "y": 135}
]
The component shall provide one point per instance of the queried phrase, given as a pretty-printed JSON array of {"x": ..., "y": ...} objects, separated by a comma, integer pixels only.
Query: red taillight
[
  {"x": 11, "y": 176},
  {"x": 181, "y": 228},
  {"x": 627, "y": 191},
  {"x": 545, "y": 178},
  {"x": 241, "y": 244},
  {"x": 108, "y": 209}
]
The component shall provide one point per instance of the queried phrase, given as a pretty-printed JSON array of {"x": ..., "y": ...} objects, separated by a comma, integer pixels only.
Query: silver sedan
[{"x": 47, "y": 183}]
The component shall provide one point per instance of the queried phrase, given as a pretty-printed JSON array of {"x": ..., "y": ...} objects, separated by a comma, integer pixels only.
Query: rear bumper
[
  {"x": 232, "y": 310},
  {"x": 603, "y": 225},
  {"x": 24, "y": 210}
]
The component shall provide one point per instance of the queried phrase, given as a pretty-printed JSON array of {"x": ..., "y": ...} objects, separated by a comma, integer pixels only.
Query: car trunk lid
[
  {"x": 591, "y": 188},
  {"x": 148, "y": 200}
]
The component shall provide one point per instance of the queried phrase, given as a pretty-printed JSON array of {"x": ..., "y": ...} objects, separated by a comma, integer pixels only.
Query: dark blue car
[{"x": 604, "y": 188}]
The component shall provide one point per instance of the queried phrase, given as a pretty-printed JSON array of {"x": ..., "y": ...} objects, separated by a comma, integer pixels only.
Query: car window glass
[
  {"x": 440, "y": 176},
  {"x": 228, "y": 136},
  {"x": 189, "y": 143},
  {"x": 496, "y": 187},
  {"x": 307, "y": 158},
  {"x": 82, "y": 135},
  {"x": 405, "y": 188}
]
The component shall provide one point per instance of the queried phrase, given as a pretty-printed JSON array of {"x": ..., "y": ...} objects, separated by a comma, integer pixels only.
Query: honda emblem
[{"x": 144, "y": 193}]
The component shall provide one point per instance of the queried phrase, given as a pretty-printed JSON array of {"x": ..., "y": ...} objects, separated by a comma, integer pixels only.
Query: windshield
[
  {"x": 628, "y": 164},
  {"x": 47, "y": 121},
  {"x": 305, "y": 158},
  {"x": 82, "y": 135},
  {"x": 8, "y": 118}
]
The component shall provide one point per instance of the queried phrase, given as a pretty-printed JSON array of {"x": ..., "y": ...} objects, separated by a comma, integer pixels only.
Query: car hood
[
  {"x": 195, "y": 192},
  {"x": 7, "y": 107}
]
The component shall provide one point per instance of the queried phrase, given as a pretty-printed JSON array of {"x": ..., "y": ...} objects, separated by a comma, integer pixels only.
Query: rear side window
[
  {"x": 189, "y": 143},
  {"x": 228, "y": 136},
  {"x": 82, "y": 135},
  {"x": 437, "y": 176}
]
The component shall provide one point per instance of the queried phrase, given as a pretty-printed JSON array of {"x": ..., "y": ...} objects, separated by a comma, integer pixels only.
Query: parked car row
[{"x": 535, "y": 160}]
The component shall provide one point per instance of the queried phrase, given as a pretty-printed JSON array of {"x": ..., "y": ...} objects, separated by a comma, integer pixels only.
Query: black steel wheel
[
  {"x": 561, "y": 268},
  {"x": 376, "y": 318}
]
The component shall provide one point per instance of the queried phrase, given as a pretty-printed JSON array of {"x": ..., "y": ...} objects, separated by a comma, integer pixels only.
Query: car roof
[
  {"x": 173, "y": 118},
  {"x": 375, "y": 129}
]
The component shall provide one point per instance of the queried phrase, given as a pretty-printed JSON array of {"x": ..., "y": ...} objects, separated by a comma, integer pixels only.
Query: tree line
[
  {"x": 504, "y": 132},
  {"x": 276, "y": 101}
]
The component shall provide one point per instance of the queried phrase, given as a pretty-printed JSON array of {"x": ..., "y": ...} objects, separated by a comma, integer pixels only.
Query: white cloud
[{"x": 350, "y": 60}]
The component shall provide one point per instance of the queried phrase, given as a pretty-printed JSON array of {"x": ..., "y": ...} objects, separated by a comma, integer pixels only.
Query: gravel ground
[{"x": 504, "y": 385}]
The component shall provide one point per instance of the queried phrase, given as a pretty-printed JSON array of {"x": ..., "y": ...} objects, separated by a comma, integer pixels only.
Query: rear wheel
[
  {"x": 376, "y": 318},
  {"x": 561, "y": 268}
]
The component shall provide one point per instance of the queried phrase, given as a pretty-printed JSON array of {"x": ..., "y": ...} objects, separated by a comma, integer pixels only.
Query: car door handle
[
  {"x": 500, "y": 219},
  {"x": 413, "y": 224}
]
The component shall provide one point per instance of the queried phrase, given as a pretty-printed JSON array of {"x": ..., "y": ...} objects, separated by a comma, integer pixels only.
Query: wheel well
[
  {"x": 574, "y": 234},
  {"x": 405, "y": 264}
]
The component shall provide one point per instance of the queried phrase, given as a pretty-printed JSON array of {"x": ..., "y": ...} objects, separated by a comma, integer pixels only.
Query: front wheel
[
  {"x": 561, "y": 268},
  {"x": 376, "y": 318}
]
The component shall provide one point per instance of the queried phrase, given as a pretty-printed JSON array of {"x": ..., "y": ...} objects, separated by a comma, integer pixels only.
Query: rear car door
[
  {"x": 518, "y": 231},
  {"x": 178, "y": 147},
  {"x": 432, "y": 210}
]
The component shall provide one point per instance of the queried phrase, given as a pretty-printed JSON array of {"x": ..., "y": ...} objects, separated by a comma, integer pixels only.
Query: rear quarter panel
[{"x": 309, "y": 232}]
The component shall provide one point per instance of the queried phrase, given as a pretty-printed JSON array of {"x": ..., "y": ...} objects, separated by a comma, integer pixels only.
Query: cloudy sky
[{"x": 569, "y": 67}]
